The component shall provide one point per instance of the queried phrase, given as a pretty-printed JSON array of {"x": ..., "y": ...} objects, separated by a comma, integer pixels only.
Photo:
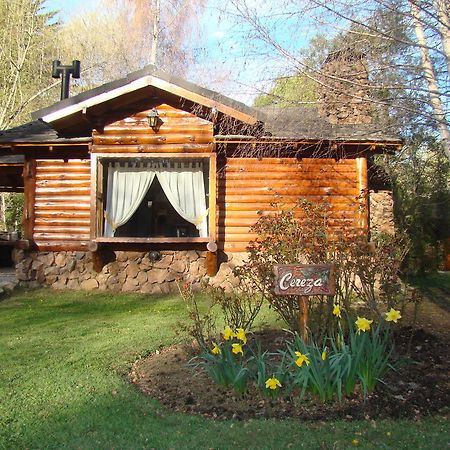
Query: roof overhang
[{"x": 372, "y": 145}]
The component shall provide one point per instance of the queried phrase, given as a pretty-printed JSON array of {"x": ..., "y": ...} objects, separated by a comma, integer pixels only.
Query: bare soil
[{"x": 419, "y": 387}]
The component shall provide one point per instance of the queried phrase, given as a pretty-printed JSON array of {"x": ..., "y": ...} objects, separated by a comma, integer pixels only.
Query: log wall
[
  {"x": 245, "y": 186},
  {"x": 179, "y": 132},
  {"x": 249, "y": 185},
  {"x": 62, "y": 204}
]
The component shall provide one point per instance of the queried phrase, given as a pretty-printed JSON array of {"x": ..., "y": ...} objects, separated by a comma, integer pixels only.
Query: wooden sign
[{"x": 303, "y": 279}]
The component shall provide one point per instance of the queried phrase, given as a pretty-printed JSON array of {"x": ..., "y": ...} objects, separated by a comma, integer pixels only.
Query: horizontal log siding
[
  {"x": 179, "y": 132},
  {"x": 249, "y": 185},
  {"x": 62, "y": 205}
]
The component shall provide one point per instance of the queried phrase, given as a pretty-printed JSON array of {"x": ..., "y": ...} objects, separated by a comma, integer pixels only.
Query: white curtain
[
  {"x": 184, "y": 187},
  {"x": 126, "y": 188},
  {"x": 182, "y": 183}
]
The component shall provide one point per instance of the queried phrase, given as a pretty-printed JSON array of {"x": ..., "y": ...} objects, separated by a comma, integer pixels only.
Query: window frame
[{"x": 97, "y": 199}]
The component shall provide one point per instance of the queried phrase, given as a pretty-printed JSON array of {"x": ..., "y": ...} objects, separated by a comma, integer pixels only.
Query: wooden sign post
[{"x": 304, "y": 280}]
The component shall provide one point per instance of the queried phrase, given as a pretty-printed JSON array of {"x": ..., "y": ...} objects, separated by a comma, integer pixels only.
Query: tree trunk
[
  {"x": 2, "y": 211},
  {"x": 155, "y": 33},
  {"x": 430, "y": 76},
  {"x": 441, "y": 7}
]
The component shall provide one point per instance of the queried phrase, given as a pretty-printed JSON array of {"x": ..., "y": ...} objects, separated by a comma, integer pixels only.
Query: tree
[
  {"x": 383, "y": 29},
  {"x": 421, "y": 186},
  {"x": 121, "y": 36},
  {"x": 290, "y": 91},
  {"x": 26, "y": 47},
  {"x": 408, "y": 83}
]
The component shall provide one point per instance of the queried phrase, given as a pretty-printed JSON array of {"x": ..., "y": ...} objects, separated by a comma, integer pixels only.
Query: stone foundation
[
  {"x": 381, "y": 206},
  {"x": 129, "y": 272}
]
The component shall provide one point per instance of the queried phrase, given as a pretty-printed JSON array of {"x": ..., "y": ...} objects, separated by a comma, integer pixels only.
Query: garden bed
[{"x": 419, "y": 387}]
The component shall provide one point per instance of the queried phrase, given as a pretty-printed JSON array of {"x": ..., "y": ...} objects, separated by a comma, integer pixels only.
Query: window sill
[
  {"x": 151, "y": 240},
  {"x": 145, "y": 244}
]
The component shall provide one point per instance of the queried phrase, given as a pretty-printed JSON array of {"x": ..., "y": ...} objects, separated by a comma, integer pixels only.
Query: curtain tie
[
  {"x": 110, "y": 221},
  {"x": 198, "y": 220}
]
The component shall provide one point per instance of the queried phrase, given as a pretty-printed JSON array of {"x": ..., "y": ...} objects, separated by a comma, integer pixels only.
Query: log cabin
[{"x": 149, "y": 179}]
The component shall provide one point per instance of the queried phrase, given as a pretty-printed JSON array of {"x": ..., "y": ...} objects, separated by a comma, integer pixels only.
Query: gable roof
[{"x": 145, "y": 83}]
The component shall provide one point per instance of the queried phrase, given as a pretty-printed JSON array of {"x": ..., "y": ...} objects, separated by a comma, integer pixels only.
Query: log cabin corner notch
[{"x": 103, "y": 187}]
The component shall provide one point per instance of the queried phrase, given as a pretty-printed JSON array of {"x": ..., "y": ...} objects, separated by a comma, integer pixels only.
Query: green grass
[
  {"x": 439, "y": 280},
  {"x": 63, "y": 360}
]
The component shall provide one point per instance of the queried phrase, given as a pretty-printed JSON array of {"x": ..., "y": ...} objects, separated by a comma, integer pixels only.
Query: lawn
[{"x": 63, "y": 363}]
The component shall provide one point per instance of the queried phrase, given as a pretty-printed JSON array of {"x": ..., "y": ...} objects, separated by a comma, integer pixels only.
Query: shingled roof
[
  {"x": 305, "y": 123},
  {"x": 295, "y": 123},
  {"x": 37, "y": 132}
]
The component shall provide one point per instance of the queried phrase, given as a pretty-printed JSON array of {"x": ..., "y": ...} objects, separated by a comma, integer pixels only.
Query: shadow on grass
[
  {"x": 123, "y": 418},
  {"x": 435, "y": 286},
  {"x": 119, "y": 419}
]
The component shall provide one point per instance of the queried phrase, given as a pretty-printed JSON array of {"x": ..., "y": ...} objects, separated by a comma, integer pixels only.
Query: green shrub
[
  {"x": 202, "y": 325},
  {"x": 366, "y": 272},
  {"x": 239, "y": 307}
]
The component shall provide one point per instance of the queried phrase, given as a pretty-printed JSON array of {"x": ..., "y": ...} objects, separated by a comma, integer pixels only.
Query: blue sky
[
  {"x": 235, "y": 63},
  {"x": 68, "y": 7}
]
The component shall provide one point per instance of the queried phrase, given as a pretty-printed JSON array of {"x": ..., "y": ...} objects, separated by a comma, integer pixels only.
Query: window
[{"x": 153, "y": 197}]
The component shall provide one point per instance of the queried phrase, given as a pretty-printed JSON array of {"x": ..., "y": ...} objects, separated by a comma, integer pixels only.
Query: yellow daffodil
[
  {"x": 273, "y": 383},
  {"x": 216, "y": 349},
  {"x": 363, "y": 324},
  {"x": 337, "y": 311},
  {"x": 355, "y": 442},
  {"x": 228, "y": 333},
  {"x": 236, "y": 349},
  {"x": 301, "y": 359},
  {"x": 324, "y": 355},
  {"x": 393, "y": 315},
  {"x": 240, "y": 334}
]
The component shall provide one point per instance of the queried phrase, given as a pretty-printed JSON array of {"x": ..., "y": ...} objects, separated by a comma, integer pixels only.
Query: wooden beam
[
  {"x": 363, "y": 216},
  {"x": 94, "y": 200},
  {"x": 101, "y": 257},
  {"x": 154, "y": 155},
  {"x": 213, "y": 197},
  {"x": 211, "y": 263},
  {"x": 211, "y": 256},
  {"x": 152, "y": 148},
  {"x": 29, "y": 178}
]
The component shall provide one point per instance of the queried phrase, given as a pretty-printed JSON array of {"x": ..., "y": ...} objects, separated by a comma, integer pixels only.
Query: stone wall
[
  {"x": 381, "y": 207},
  {"x": 129, "y": 272},
  {"x": 344, "y": 92}
]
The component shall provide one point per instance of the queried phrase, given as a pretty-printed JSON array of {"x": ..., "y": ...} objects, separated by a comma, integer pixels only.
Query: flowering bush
[
  {"x": 335, "y": 367},
  {"x": 232, "y": 363},
  {"x": 225, "y": 362},
  {"x": 312, "y": 371}
]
